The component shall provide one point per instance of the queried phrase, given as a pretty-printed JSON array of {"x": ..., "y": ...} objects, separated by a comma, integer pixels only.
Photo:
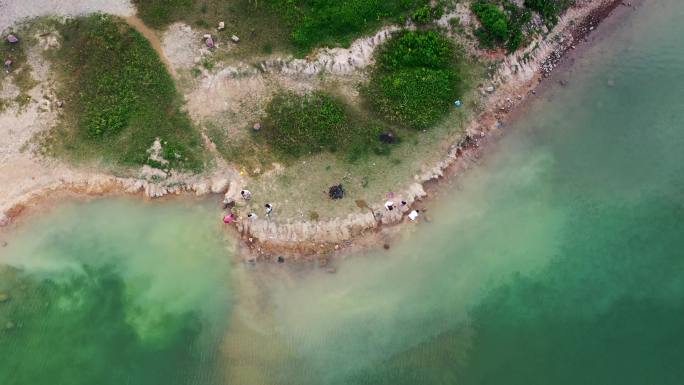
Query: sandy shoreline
[{"x": 515, "y": 80}]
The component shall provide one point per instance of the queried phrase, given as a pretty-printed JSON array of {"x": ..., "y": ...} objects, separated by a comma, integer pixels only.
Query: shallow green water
[{"x": 558, "y": 261}]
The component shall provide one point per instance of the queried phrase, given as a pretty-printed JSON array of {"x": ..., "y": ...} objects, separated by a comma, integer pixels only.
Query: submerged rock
[{"x": 4, "y": 297}]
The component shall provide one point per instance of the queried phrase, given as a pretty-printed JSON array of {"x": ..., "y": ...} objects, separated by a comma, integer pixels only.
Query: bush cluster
[
  {"x": 415, "y": 80},
  {"x": 549, "y": 9},
  {"x": 502, "y": 23},
  {"x": 426, "y": 14},
  {"x": 316, "y": 23},
  {"x": 121, "y": 95},
  {"x": 297, "y": 125}
]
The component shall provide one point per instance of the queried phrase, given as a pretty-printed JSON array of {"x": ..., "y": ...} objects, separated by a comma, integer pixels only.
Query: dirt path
[{"x": 153, "y": 38}]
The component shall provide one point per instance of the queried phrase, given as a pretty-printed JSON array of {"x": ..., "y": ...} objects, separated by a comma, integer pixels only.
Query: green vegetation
[
  {"x": 159, "y": 13},
  {"x": 502, "y": 23},
  {"x": 415, "y": 79},
  {"x": 426, "y": 14},
  {"x": 119, "y": 98},
  {"x": 288, "y": 24},
  {"x": 297, "y": 125},
  {"x": 549, "y": 9},
  {"x": 316, "y": 23}
]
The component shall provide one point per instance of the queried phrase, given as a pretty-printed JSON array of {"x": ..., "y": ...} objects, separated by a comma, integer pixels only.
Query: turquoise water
[{"x": 558, "y": 261}]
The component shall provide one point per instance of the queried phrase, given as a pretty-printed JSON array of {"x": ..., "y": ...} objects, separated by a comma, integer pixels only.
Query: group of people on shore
[
  {"x": 390, "y": 206},
  {"x": 247, "y": 195},
  {"x": 268, "y": 208}
]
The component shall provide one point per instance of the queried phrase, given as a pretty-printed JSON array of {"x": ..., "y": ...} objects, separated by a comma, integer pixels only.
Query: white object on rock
[
  {"x": 235, "y": 39},
  {"x": 413, "y": 215}
]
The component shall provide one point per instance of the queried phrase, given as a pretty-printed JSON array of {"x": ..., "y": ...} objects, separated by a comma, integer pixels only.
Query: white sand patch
[{"x": 14, "y": 11}]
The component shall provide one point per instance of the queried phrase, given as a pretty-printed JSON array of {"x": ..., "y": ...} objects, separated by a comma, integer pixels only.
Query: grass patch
[
  {"x": 160, "y": 13},
  {"x": 119, "y": 98},
  {"x": 426, "y": 14},
  {"x": 415, "y": 80},
  {"x": 316, "y": 23},
  {"x": 298, "y": 125},
  {"x": 284, "y": 25},
  {"x": 502, "y": 23}
]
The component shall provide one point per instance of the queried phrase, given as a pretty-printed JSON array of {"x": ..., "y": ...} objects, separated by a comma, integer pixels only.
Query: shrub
[
  {"x": 549, "y": 9},
  {"x": 120, "y": 95},
  {"x": 159, "y": 13},
  {"x": 426, "y": 14},
  {"x": 316, "y": 23},
  {"x": 501, "y": 26},
  {"x": 494, "y": 30},
  {"x": 414, "y": 81}
]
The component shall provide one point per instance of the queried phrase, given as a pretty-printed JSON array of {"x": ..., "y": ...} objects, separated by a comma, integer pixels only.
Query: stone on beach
[
  {"x": 12, "y": 39},
  {"x": 235, "y": 39}
]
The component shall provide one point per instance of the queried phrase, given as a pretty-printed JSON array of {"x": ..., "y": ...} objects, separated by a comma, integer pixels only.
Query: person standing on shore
[
  {"x": 269, "y": 209},
  {"x": 246, "y": 194},
  {"x": 389, "y": 205}
]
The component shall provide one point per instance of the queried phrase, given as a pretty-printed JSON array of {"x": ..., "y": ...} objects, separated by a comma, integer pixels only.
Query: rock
[
  {"x": 4, "y": 297},
  {"x": 210, "y": 42},
  {"x": 235, "y": 39},
  {"x": 60, "y": 104},
  {"x": 201, "y": 188},
  {"x": 611, "y": 83},
  {"x": 3, "y": 243},
  {"x": 256, "y": 126},
  {"x": 219, "y": 185},
  {"x": 9, "y": 325},
  {"x": 12, "y": 39},
  {"x": 489, "y": 89},
  {"x": 221, "y": 26}
]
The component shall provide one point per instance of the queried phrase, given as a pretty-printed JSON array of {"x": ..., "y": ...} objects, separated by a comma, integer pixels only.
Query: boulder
[
  {"x": 489, "y": 89},
  {"x": 221, "y": 26},
  {"x": 235, "y": 39},
  {"x": 12, "y": 39},
  {"x": 4, "y": 297}
]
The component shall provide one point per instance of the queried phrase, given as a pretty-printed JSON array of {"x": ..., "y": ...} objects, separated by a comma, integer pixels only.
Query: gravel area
[{"x": 13, "y": 11}]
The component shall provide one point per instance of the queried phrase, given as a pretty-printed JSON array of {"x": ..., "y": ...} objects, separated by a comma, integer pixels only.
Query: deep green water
[{"x": 560, "y": 260}]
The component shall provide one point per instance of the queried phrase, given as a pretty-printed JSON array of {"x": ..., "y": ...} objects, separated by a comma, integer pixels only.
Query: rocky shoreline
[{"x": 515, "y": 80}]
